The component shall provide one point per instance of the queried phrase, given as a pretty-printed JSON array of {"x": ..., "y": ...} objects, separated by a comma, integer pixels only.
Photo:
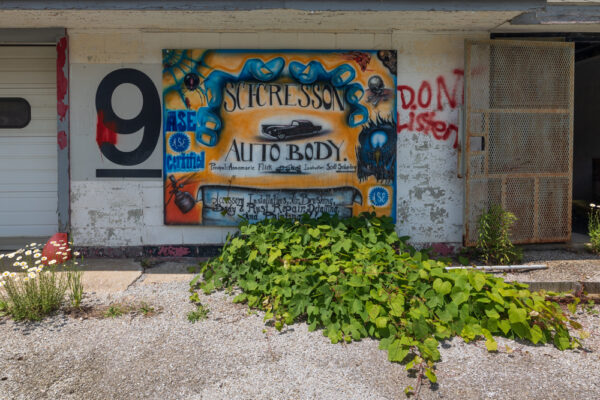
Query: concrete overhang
[
  {"x": 573, "y": 18},
  {"x": 259, "y": 20}
]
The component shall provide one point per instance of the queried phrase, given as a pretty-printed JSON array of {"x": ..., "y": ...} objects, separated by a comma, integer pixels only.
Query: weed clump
[{"x": 355, "y": 278}]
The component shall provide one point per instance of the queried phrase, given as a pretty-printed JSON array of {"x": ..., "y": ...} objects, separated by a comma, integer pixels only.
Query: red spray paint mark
[
  {"x": 421, "y": 116},
  {"x": 173, "y": 251},
  {"x": 105, "y": 132},
  {"x": 361, "y": 58},
  {"x": 53, "y": 246},
  {"x": 443, "y": 249},
  {"x": 62, "y": 82},
  {"x": 61, "y": 138}
]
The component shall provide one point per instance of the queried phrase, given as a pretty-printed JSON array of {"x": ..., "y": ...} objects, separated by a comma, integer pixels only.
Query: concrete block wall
[{"x": 127, "y": 211}]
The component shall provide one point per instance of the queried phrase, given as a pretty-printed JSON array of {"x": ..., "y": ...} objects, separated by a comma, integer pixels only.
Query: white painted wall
[{"x": 115, "y": 212}]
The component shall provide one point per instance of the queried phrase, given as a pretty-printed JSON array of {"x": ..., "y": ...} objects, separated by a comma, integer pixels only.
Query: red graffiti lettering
[
  {"x": 173, "y": 251},
  {"x": 61, "y": 139},
  {"x": 426, "y": 103},
  {"x": 61, "y": 79},
  {"x": 421, "y": 117},
  {"x": 105, "y": 132}
]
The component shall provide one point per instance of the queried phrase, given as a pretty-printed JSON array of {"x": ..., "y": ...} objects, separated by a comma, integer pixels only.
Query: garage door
[{"x": 28, "y": 154}]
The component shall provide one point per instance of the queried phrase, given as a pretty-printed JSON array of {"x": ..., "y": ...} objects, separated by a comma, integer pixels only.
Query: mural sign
[{"x": 263, "y": 134}]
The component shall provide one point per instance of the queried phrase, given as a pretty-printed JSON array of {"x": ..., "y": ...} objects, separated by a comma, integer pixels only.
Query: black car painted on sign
[{"x": 298, "y": 127}]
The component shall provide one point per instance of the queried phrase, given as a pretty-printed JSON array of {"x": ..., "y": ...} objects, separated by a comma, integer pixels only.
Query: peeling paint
[{"x": 434, "y": 193}]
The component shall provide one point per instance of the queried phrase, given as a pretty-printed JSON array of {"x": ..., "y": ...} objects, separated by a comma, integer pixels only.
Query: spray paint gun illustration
[{"x": 183, "y": 200}]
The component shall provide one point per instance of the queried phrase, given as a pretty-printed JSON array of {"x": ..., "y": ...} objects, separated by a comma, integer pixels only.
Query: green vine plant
[
  {"x": 493, "y": 241},
  {"x": 355, "y": 278}
]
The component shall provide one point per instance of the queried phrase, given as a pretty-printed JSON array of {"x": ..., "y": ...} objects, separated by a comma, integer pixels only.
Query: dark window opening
[{"x": 15, "y": 112}]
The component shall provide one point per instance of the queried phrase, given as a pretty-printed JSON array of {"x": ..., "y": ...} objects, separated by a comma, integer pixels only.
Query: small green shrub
[
  {"x": 114, "y": 311},
  {"x": 594, "y": 227},
  {"x": 355, "y": 278},
  {"x": 200, "y": 313},
  {"x": 146, "y": 309},
  {"x": 493, "y": 242},
  {"x": 75, "y": 287}
]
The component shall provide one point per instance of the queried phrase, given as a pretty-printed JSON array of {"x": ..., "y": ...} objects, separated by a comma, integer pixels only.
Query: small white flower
[
  {"x": 23, "y": 264},
  {"x": 28, "y": 253},
  {"x": 2, "y": 283},
  {"x": 5, "y": 273},
  {"x": 1, "y": 256},
  {"x": 75, "y": 253},
  {"x": 44, "y": 258},
  {"x": 38, "y": 261},
  {"x": 33, "y": 244},
  {"x": 76, "y": 263},
  {"x": 13, "y": 274},
  {"x": 592, "y": 205},
  {"x": 16, "y": 264},
  {"x": 37, "y": 255},
  {"x": 19, "y": 258},
  {"x": 25, "y": 279},
  {"x": 51, "y": 262},
  {"x": 59, "y": 252},
  {"x": 11, "y": 255},
  {"x": 31, "y": 275}
]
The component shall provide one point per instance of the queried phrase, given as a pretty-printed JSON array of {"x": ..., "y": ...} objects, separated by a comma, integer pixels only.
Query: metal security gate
[{"x": 519, "y": 136}]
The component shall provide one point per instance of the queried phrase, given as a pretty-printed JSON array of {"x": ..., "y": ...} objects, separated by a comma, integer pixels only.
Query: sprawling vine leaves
[{"x": 355, "y": 278}]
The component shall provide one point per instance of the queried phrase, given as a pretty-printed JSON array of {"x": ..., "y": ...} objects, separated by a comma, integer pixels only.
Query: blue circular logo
[
  {"x": 378, "y": 196},
  {"x": 179, "y": 142}
]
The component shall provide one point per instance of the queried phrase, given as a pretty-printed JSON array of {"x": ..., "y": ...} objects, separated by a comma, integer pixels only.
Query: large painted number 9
[{"x": 149, "y": 117}]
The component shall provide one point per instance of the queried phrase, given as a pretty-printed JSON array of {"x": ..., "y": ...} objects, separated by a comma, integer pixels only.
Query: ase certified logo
[
  {"x": 179, "y": 142},
  {"x": 379, "y": 196}
]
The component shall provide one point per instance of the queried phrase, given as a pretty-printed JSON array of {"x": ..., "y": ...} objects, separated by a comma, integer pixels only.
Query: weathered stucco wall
[{"x": 129, "y": 211}]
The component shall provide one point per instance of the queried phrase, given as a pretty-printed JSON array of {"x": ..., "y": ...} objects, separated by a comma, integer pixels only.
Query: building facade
[{"x": 91, "y": 159}]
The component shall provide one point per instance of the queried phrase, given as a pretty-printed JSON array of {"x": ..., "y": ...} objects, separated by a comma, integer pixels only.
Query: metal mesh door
[{"x": 519, "y": 136}]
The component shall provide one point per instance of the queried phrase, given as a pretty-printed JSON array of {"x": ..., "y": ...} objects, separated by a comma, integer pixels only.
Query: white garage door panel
[
  {"x": 42, "y": 163},
  {"x": 28, "y": 156},
  {"x": 43, "y": 188},
  {"x": 27, "y": 217},
  {"x": 18, "y": 201},
  {"x": 29, "y": 78},
  {"x": 31, "y": 231}
]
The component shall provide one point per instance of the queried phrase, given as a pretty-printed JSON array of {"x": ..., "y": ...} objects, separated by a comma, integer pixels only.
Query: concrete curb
[{"x": 565, "y": 286}]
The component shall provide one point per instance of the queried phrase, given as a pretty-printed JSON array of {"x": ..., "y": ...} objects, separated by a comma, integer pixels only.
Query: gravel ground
[
  {"x": 563, "y": 266},
  {"x": 229, "y": 356}
]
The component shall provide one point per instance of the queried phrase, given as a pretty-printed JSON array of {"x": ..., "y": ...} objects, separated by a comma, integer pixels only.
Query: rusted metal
[{"x": 519, "y": 99}]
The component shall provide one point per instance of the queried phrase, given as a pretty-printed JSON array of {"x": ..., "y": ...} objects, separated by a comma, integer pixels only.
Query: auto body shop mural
[{"x": 261, "y": 134}]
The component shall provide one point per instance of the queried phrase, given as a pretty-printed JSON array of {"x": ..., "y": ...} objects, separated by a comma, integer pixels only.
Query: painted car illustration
[{"x": 298, "y": 127}]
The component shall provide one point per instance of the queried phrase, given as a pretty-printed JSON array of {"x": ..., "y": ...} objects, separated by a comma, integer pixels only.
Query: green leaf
[
  {"x": 397, "y": 305},
  {"x": 396, "y": 351},
  {"x": 314, "y": 232},
  {"x": 496, "y": 297},
  {"x": 252, "y": 255},
  {"x": 491, "y": 344},
  {"x": 373, "y": 310},
  {"x": 430, "y": 375},
  {"x": 504, "y": 325},
  {"x": 477, "y": 280},
  {"x": 442, "y": 287},
  {"x": 381, "y": 322},
  {"x": 459, "y": 297},
  {"x": 561, "y": 341},
  {"x": 492, "y": 313},
  {"x": 516, "y": 315},
  {"x": 536, "y": 334}
]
